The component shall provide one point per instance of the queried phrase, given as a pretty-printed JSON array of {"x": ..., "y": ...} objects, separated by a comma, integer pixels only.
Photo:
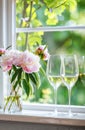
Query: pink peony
[
  {"x": 16, "y": 57},
  {"x": 42, "y": 51},
  {"x": 26, "y": 60},
  {"x": 6, "y": 62},
  {"x": 11, "y": 57},
  {"x": 30, "y": 62}
]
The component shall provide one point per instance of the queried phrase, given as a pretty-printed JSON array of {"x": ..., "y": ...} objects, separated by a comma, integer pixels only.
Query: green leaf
[
  {"x": 35, "y": 78},
  {"x": 26, "y": 87},
  {"x": 27, "y": 77},
  {"x": 14, "y": 68},
  {"x": 71, "y": 4},
  {"x": 14, "y": 76},
  {"x": 36, "y": 1},
  {"x": 15, "y": 85},
  {"x": 19, "y": 77},
  {"x": 52, "y": 17},
  {"x": 36, "y": 23},
  {"x": 9, "y": 72},
  {"x": 31, "y": 87},
  {"x": 54, "y": 3},
  {"x": 43, "y": 72},
  {"x": 35, "y": 38},
  {"x": 32, "y": 78}
]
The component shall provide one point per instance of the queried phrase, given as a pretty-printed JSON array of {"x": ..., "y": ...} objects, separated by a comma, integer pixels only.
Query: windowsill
[{"x": 43, "y": 117}]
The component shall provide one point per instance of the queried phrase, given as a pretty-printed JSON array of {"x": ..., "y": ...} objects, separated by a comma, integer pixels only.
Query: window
[
  {"x": 63, "y": 34},
  {"x": 32, "y": 29}
]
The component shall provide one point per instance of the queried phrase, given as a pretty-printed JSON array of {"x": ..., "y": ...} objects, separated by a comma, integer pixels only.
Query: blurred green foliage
[{"x": 37, "y": 13}]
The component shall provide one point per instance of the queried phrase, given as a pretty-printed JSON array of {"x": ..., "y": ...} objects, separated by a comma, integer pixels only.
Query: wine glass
[
  {"x": 53, "y": 74},
  {"x": 69, "y": 73},
  {"x": 81, "y": 60}
]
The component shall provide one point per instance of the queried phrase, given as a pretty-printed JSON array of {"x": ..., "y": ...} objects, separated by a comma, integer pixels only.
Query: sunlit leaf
[
  {"x": 35, "y": 38},
  {"x": 36, "y": 1},
  {"x": 36, "y": 23},
  {"x": 54, "y": 3},
  {"x": 71, "y": 5},
  {"x": 52, "y": 18}
]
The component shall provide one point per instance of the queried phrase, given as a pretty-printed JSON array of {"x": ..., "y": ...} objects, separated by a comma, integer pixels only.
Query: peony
[
  {"x": 30, "y": 62},
  {"x": 10, "y": 58},
  {"x": 16, "y": 57},
  {"x": 6, "y": 61},
  {"x": 42, "y": 51}
]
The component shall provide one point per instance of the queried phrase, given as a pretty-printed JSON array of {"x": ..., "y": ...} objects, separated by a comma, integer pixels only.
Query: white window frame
[
  {"x": 8, "y": 27},
  {"x": 8, "y": 23},
  {"x": 1, "y": 79},
  {"x": 7, "y": 33}
]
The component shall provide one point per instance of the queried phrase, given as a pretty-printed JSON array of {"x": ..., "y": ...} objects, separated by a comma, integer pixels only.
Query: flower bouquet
[{"x": 22, "y": 68}]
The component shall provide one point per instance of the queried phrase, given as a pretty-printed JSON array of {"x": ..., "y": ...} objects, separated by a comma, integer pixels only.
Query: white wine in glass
[
  {"x": 69, "y": 73},
  {"x": 69, "y": 80},
  {"x": 55, "y": 80},
  {"x": 81, "y": 60},
  {"x": 53, "y": 74}
]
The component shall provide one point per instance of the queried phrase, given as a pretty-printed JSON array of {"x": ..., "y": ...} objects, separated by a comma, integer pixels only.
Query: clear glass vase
[{"x": 12, "y": 98}]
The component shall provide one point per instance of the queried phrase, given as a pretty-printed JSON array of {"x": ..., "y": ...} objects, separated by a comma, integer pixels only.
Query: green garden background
[{"x": 45, "y": 13}]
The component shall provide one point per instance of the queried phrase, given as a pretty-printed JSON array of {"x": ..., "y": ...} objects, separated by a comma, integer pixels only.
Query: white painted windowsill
[{"x": 44, "y": 117}]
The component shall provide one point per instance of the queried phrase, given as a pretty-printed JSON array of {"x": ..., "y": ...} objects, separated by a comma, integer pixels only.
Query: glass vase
[{"x": 12, "y": 98}]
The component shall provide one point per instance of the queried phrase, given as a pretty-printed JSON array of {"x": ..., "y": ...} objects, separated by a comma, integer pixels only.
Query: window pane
[
  {"x": 65, "y": 41},
  {"x": 60, "y": 12},
  {"x": 57, "y": 42}
]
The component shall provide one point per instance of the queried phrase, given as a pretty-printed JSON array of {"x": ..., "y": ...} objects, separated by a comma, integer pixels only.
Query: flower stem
[
  {"x": 6, "y": 103},
  {"x": 13, "y": 98}
]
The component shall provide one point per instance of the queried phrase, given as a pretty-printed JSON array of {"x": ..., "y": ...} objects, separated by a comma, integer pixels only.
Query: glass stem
[
  {"x": 55, "y": 98},
  {"x": 69, "y": 96}
]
